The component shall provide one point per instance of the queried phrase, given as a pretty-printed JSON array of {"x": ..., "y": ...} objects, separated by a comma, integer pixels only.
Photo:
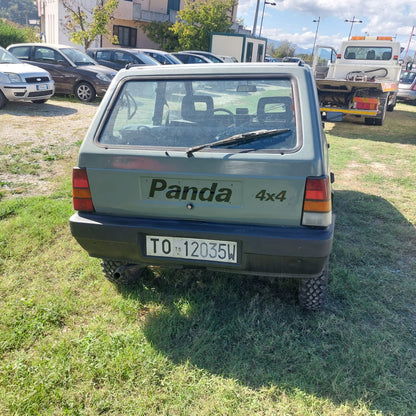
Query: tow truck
[{"x": 361, "y": 79}]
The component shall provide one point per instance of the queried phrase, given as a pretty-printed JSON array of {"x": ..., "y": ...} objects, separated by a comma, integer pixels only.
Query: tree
[
  {"x": 85, "y": 25},
  {"x": 161, "y": 33},
  {"x": 199, "y": 18},
  {"x": 285, "y": 48}
]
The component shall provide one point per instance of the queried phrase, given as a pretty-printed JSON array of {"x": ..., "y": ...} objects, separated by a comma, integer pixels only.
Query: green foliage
[
  {"x": 285, "y": 48},
  {"x": 84, "y": 26},
  {"x": 162, "y": 34},
  {"x": 10, "y": 34},
  {"x": 199, "y": 18}
]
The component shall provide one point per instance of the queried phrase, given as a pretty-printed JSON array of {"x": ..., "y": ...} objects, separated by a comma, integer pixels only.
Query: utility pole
[{"x": 253, "y": 32}]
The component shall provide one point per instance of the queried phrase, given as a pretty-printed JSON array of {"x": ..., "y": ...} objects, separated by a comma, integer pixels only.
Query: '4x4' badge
[{"x": 264, "y": 195}]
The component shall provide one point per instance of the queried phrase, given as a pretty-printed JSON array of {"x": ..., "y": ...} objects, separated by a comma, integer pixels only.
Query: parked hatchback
[
  {"x": 221, "y": 167},
  {"x": 23, "y": 82},
  {"x": 407, "y": 86},
  {"x": 73, "y": 71},
  {"x": 118, "y": 58},
  {"x": 191, "y": 58}
]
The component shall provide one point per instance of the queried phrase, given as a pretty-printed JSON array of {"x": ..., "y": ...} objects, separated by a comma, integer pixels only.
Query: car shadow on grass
[
  {"x": 398, "y": 127},
  {"x": 48, "y": 109},
  {"x": 359, "y": 349}
]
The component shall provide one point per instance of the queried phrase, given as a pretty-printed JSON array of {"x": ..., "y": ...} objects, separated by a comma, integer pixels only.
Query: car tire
[
  {"x": 121, "y": 273},
  {"x": 312, "y": 291},
  {"x": 3, "y": 100},
  {"x": 84, "y": 91}
]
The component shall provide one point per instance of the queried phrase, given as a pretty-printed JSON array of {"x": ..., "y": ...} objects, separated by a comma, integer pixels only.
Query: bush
[{"x": 10, "y": 34}]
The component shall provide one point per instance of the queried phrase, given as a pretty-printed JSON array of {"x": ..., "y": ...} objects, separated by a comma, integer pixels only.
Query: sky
[{"x": 293, "y": 20}]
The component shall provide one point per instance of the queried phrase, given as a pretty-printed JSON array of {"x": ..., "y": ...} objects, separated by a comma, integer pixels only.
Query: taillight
[
  {"x": 317, "y": 204},
  {"x": 81, "y": 194},
  {"x": 413, "y": 87}
]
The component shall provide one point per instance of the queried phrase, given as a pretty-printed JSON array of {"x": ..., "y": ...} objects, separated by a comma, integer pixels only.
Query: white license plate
[
  {"x": 192, "y": 248},
  {"x": 41, "y": 87}
]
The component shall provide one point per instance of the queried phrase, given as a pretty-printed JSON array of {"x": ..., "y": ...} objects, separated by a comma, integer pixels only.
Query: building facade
[{"x": 126, "y": 24}]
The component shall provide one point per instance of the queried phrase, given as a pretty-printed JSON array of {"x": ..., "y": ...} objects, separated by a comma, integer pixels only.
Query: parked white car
[{"x": 23, "y": 82}]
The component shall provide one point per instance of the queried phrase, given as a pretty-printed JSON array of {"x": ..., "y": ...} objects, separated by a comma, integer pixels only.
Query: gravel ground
[{"x": 39, "y": 144}]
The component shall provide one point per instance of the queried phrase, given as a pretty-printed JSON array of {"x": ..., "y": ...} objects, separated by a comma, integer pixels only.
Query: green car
[{"x": 216, "y": 166}]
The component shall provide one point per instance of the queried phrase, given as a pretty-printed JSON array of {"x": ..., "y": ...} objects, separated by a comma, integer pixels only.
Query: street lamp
[
  {"x": 272, "y": 3},
  {"x": 352, "y": 24},
  {"x": 317, "y": 21}
]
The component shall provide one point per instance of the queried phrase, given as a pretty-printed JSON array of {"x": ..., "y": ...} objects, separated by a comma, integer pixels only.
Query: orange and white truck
[{"x": 361, "y": 79}]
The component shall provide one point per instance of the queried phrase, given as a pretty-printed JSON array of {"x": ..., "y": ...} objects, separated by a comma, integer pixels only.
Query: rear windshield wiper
[{"x": 240, "y": 138}]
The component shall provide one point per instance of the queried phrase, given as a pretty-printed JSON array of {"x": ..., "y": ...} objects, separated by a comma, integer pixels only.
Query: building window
[
  {"x": 174, "y": 5},
  {"x": 127, "y": 36}
]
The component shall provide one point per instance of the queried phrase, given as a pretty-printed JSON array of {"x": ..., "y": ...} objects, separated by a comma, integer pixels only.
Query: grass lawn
[{"x": 200, "y": 343}]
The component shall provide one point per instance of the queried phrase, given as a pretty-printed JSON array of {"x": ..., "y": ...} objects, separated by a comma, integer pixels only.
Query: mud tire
[{"x": 312, "y": 291}]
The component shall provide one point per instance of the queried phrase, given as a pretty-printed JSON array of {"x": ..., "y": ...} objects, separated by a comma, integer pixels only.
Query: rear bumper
[{"x": 262, "y": 250}]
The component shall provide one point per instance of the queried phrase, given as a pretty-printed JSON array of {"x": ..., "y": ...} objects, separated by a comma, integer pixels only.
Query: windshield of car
[
  {"x": 190, "y": 113},
  {"x": 164, "y": 59},
  {"x": 7, "y": 58},
  {"x": 208, "y": 56},
  {"x": 145, "y": 59},
  {"x": 407, "y": 77},
  {"x": 77, "y": 57}
]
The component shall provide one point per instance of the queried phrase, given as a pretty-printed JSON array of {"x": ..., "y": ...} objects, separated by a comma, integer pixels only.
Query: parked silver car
[
  {"x": 118, "y": 58},
  {"x": 23, "y": 82},
  {"x": 407, "y": 86}
]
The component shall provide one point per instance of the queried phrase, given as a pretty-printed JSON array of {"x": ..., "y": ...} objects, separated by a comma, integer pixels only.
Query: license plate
[
  {"x": 191, "y": 248},
  {"x": 41, "y": 87}
]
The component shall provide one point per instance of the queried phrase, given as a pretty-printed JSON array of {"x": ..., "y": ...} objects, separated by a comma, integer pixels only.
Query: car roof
[
  {"x": 110, "y": 48},
  {"x": 152, "y": 50},
  {"x": 47, "y": 45}
]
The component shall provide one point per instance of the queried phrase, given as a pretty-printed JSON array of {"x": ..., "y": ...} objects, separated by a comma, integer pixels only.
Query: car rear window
[
  {"x": 185, "y": 113},
  {"x": 368, "y": 53},
  {"x": 22, "y": 52}
]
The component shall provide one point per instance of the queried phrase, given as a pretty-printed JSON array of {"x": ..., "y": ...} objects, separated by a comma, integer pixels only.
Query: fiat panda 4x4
[{"x": 216, "y": 166}]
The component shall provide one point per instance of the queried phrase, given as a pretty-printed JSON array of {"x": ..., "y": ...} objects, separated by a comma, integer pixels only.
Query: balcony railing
[{"x": 140, "y": 15}]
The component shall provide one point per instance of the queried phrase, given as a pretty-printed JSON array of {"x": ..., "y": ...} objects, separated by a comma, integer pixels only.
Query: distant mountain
[{"x": 301, "y": 51}]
